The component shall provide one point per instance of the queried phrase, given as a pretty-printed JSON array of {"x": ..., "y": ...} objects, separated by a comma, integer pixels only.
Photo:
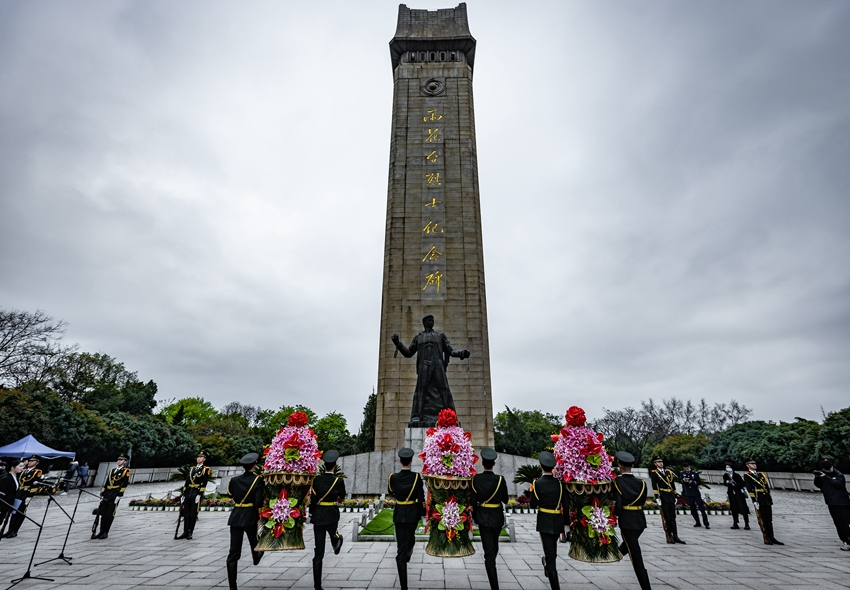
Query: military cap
[
  {"x": 658, "y": 459},
  {"x": 547, "y": 459},
  {"x": 750, "y": 460},
  {"x": 405, "y": 453},
  {"x": 625, "y": 457},
  {"x": 123, "y": 457},
  {"x": 202, "y": 453},
  {"x": 686, "y": 464},
  {"x": 249, "y": 459},
  {"x": 33, "y": 458},
  {"x": 330, "y": 456},
  {"x": 489, "y": 454}
]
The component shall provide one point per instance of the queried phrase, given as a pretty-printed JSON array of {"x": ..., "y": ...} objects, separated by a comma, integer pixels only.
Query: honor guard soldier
[
  {"x": 26, "y": 490},
  {"x": 489, "y": 494},
  {"x": 547, "y": 495},
  {"x": 193, "y": 493},
  {"x": 664, "y": 486},
  {"x": 110, "y": 494},
  {"x": 407, "y": 488},
  {"x": 629, "y": 498},
  {"x": 324, "y": 513},
  {"x": 248, "y": 493},
  {"x": 759, "y": 492}
]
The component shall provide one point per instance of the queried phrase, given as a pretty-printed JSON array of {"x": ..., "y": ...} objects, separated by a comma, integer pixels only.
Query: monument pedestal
[{"x": 414, "y": 438}]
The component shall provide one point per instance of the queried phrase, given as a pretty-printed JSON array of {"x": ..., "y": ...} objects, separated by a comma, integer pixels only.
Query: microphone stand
[
  {"x": 68, "y": 532},
  {"x": 28, "y": 575}
]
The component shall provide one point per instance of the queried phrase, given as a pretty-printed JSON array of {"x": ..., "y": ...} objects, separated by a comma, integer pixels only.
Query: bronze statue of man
[{"x": 432, "y": 387}]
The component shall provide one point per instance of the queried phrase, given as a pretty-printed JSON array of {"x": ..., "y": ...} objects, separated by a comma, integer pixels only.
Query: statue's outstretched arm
[
  {"x": 460, "y": 354},
  {"x": 406, "y": 351}
]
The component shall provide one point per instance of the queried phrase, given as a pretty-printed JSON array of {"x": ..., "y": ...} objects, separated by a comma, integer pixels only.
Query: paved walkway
[{"x": 140, "y": 553}]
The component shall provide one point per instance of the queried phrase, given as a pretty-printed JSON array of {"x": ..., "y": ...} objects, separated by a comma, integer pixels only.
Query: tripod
[
  {"x": 68, "y": 532},
  {"x": 28, "y": 575}
]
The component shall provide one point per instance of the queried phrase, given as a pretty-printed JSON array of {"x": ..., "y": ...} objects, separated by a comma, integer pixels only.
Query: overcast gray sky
[{"x": 199, "y": 189}]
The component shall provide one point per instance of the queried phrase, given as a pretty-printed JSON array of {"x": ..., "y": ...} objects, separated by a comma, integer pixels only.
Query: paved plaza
[{"x": 141, "y": 553}]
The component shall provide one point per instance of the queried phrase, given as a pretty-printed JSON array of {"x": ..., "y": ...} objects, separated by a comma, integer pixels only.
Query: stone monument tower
[{"x": 433, "y": 257}]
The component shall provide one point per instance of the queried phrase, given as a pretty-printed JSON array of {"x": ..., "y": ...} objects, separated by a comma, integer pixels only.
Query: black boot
[
  {"x": 231, "y": 575},
  {"x": 676, "y": 539},
  {"x": 493, "y": 578},
  {"x": 402, "y": 575},
  {"x": 317, "y": 575},
  {"x": 185, "y": 535},
  {"x": 336, "y": 542}
]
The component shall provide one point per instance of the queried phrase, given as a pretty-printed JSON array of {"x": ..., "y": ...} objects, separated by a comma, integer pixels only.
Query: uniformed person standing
[
  {"x": 759, "y": 492},
  {"x": 248, "y": 493},
  {"x": 26, "y": 490},
  {"x": 629, "y": 498},
  {"x": 489, "y": 494},
  {"x": 324, "y": 513},
  {"x": 547, "y": 495},
  {"x": 736, "y": 494},
  {"x": 407, "y": 488},
  {"x": 8, "y": 491},
  {"x": 664, "y": 486},
  {"x": 193, "y": 493},
  {"x": 112, "y": 491}
]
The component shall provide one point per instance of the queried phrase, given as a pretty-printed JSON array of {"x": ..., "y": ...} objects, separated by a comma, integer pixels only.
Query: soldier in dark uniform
[
  {"x": 629, "y": 498},
  {"x": 489, "y": 493},
  {"x": 248, "y": 493},
  {"x": 324, "y": 513},
  {"x": 664, "y": 485},
  {"x": 407, "y": 488},
  {"x": 547, "y": 495},
  {"x": 110, "y": 494},
  {"x": 759, "y": 491},
  {"x": 193, "y": 493},
  {"x": 736, "y": 494},
  {"x": 26, "y": 490}
]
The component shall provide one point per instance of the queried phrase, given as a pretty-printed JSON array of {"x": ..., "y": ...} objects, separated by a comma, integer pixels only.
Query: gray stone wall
[
  {"x": 433, "y": 258},
  {"x": 367, "y": 473}
]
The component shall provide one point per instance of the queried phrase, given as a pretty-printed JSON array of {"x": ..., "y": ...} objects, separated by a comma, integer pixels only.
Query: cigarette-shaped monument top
[{"x": 446, "y": 29}]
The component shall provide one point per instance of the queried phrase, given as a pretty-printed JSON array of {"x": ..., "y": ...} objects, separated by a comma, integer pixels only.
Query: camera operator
[
  {"x": 831, "y": 482},
  {"x": 691, "y": 483}
]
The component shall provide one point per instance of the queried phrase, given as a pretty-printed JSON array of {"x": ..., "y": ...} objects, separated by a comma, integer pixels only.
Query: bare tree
[
  {"x": 247, "y": 411},
  {"x": 30, "y": 347}
]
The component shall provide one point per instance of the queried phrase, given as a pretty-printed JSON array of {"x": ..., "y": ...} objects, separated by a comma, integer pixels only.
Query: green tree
[
  {"x": 366, "y": 436},
  {"x": 681, "y": 448},
  {"x": 21, "y": 416},
  {"x": 155, "y": 442},
  {"x": 524, "y": 432},
  {"x": 787, "y": 446},
  {"x": 103, "y": 384},
  {"x": 192, "y": 410},
  {"x": 270, "y": 421},
  {"x": 835, "y": 439},
  {"x": 332, "y": 433}
]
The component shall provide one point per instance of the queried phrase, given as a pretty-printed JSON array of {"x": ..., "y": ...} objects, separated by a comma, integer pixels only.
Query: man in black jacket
[
  {"x": 407, "y": 488},
  {"x": 833, "y": 485},
  {"x": 489, "y": 493},
  {"x": 248, "y": 493},
  {"x": 8, "y": 489},
  {"x": 547, "y": 495},
  {"x": 26, "y": 490},
  {"x": 629, "y": 498},
  {"x": 691, "y": 483},
  {"x": 193, "y": 493},
  {"x": 324, "y": 513},
  {"x": 736, "y": 494}
]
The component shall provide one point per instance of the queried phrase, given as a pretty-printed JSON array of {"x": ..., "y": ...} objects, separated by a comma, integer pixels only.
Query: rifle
[
  {"x": 761, "y": 523},
  {"x": 96, "y": 521},
  {"x": 664, "y": 523},
  {"x": 179, "y": 516}
]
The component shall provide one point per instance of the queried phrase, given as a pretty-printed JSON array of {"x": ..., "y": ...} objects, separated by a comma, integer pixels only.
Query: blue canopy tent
[{"x": 28, "y": 446}]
